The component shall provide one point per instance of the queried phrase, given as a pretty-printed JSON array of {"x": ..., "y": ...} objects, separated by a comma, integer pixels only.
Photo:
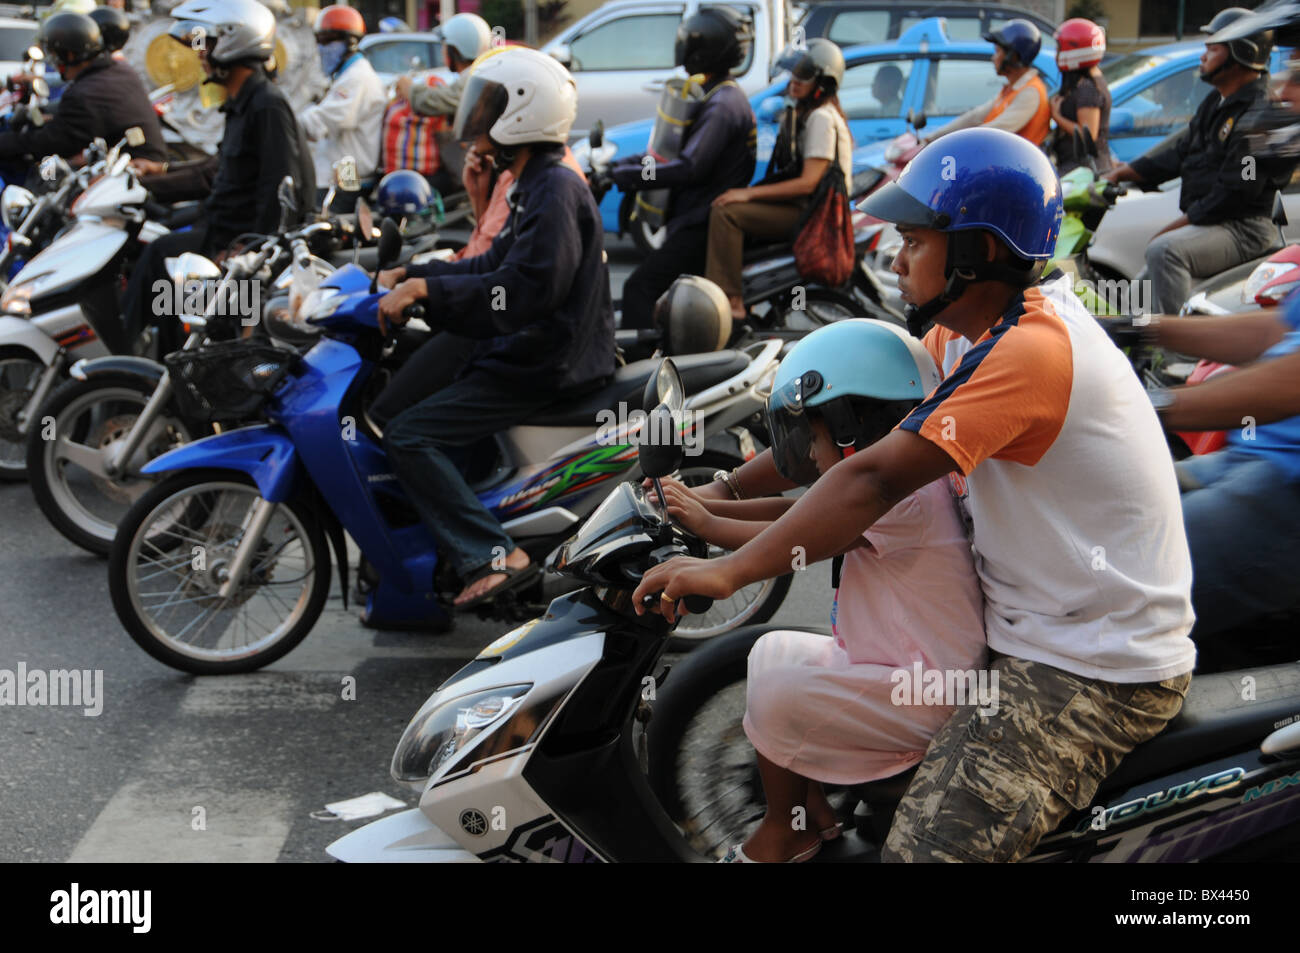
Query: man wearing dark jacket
[
  {"x": 536, "y": 306},
  {"x": 103, "y": 99},
  {"x": 261, "y": 145},
  {"x": 718, "y": 153},
  {"x": 1227, "y": 193}
]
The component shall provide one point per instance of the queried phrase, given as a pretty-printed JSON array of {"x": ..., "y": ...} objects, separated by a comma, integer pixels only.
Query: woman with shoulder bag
[{"x": 814, "y": 135}]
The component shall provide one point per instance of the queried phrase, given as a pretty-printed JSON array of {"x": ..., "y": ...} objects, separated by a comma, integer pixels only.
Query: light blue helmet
[{"x": 861, "y": 376}]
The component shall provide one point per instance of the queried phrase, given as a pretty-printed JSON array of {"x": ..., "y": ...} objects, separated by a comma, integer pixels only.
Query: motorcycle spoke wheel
[
  {"x": 71, "y": 463},
  {"x": 178, "y": 555},
  {"x": 18, "y": 379}
]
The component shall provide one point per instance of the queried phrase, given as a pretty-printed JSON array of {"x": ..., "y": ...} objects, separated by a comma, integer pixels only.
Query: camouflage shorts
[{"x": 991, "y": 786}]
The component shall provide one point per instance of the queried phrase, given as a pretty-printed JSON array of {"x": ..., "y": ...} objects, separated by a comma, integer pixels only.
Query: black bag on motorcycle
[{"x": 678, "y": 107}]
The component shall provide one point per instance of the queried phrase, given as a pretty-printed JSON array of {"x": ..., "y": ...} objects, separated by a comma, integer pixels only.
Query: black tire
[
  {"x": 13, "y": 468},
  {"x": 702, "y": 469},
  {"x": 121, "y": 572},
  {"x": 92, "y": 535}
]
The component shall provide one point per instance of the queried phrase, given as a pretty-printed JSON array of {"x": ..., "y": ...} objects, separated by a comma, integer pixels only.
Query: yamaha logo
[{"x": 473, "y": 822}]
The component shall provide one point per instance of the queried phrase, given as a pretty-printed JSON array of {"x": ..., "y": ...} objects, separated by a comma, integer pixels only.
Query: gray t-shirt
[{"x": 822, "y": 130}]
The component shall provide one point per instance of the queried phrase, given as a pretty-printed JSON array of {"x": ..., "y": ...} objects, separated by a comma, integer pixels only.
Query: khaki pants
[
  {"x": 990, "y": 787},
  {"x": 728, "y": 226}
]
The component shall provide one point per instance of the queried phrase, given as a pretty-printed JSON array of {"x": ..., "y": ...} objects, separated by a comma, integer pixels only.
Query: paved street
[{"x": 251, "y": 756}]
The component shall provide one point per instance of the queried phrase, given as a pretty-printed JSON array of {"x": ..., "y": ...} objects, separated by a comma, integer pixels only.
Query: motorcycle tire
[
  {"x": 13, "y": 454},
  {"x": 299, "y": 516},
  {"x": 61, "y": 507}
]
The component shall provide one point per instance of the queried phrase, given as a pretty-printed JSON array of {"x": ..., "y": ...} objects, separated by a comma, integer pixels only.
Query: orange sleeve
[{"x": 1007, "y": 398}]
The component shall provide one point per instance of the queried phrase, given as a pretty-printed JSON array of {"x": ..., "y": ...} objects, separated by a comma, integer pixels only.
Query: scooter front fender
[
  {"x": 20, "y": 332},
  {"x": 147, "y": 372},
  {"x": 264, "y": 452},
  {"x": 405, "y": 838}
]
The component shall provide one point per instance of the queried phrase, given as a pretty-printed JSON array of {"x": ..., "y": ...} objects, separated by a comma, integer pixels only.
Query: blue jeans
[
  {"x": 1242, "y": 516},
  {"x": 418, "y": 440}
]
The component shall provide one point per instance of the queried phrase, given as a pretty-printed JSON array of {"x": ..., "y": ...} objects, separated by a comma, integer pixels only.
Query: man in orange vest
[{"x": 1022, "y": 106}]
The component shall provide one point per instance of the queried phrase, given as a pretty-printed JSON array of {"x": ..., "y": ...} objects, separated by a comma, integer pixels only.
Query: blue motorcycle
[{"x": 224, "y": 565}]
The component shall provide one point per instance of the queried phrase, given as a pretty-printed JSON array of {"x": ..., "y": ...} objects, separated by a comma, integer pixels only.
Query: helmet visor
[
  {"x": 190, "y": 32},
  {"x": 892, "y": 203},
  {"x": 805, "y": 68},
  {"x": 481, "y": 105},
  {"x": 792, "y": 434}
]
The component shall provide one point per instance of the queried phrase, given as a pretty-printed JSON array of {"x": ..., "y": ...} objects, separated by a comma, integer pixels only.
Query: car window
[
  {"x": 955, "y": 86},
  {"x": 959, "y": 28},
  {"x": 1132, "y": 65},
  {"x": 15, "y": 41},
  {"x": 1168, "y": 105},
  {"x": 874, "y": 90},
  {"x": 635, "y": 42},
  {"x": 859, "y": 26},
  {"x": 403, "y": 56}
]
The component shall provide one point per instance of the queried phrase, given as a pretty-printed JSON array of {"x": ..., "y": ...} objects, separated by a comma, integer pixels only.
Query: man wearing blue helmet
[{"x": 1078, "y": 533}]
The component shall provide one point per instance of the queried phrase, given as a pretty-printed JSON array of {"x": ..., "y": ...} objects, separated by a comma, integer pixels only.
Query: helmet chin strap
[{"x": 963, "y": 268}]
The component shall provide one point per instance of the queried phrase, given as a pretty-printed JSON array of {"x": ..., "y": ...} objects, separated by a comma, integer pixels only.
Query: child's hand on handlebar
[{"x": 686, "y": 509}]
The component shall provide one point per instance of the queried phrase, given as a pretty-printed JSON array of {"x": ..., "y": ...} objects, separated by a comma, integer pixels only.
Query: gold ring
[{"x": 664, "y": 597}]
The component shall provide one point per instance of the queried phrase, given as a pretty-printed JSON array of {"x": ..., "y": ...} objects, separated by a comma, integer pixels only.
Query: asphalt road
[{"x": 179, "y": 768}]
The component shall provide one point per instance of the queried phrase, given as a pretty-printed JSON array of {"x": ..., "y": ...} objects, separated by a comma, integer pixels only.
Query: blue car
[{"x": 941, "y": 77}]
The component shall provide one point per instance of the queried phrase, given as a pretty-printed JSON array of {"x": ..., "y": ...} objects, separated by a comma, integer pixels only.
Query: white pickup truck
[{"x": 622, "y": 53}]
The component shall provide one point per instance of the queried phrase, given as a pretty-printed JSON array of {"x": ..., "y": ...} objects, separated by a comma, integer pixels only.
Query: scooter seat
[
  {"x": 698, "y": 371},
  {"x": 1215, "y": 721},
  {"x": 767, "y": 250}
]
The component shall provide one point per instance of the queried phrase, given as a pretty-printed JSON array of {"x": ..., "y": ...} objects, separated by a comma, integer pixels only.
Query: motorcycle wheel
[
  {"x": 186, "y": 530},
  {"x": 87, "y": 416},
  {"x": 20, "y": 370},
  {"x": 749, "y": 606},
  {"x": 701, "y": 765}
]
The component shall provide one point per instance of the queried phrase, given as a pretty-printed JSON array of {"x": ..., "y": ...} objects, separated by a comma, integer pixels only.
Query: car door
[
  {"x": 620, "y": 63},
  {"x": 1161, "y": 107},
  {"x": 875, "y": 95}
]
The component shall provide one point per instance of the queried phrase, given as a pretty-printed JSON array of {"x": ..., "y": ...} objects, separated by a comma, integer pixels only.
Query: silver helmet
[{"x": 235, "y": 31}]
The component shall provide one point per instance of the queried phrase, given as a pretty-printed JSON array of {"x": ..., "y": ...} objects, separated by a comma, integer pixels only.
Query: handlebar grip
[
  {"x": 697, "y": 605},
  {"x": 413, "y": 311}
]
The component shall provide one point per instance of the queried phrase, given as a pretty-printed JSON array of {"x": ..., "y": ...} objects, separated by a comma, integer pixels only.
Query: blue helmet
[
  {"x": 859, "y": 375},
  {"x": 404, "y": 192},
  {"x": 968, "y": 182},
  {"x": 1020, "y": 37}
]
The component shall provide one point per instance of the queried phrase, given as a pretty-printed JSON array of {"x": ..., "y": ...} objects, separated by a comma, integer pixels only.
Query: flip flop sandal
[
  {"x": 736, "y": 855},
  {"x": 834, "y": 832},
  {"x": 515, "y": 579}
]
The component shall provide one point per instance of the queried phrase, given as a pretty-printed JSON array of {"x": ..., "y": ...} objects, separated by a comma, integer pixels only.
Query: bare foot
[{"x": 516, "y": 560}]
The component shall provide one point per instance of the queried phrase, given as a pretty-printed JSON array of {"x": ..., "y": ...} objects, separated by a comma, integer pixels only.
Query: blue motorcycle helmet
[
  {"x": 403, "y": 192},
  {"x": 859, "y": 375},
  {"x": 1018, "y": 37},
  {"x": 971, "y": 182}
]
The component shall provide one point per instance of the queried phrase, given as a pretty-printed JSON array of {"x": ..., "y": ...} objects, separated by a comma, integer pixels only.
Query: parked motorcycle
[
  {"x": 538, "y": 749},
  {"x": 63, "y": 305},
  {"x": 260, "y": 502}
]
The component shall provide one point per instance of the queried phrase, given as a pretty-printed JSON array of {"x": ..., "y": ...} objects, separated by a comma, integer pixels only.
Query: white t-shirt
[
  {"x": 1078, "y": 527},
  {"x": 822, "y": 130}
]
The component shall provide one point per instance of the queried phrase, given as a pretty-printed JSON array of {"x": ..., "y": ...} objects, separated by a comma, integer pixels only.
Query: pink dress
[{"x": 834, "y": 709}]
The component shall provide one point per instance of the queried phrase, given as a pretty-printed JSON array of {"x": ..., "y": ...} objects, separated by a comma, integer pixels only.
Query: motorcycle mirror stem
[{"x": 390, "y": 249}]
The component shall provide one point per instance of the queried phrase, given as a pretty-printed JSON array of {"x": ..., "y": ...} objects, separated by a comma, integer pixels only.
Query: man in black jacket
[
  {"x": 261, "y": 145},
  {"x": 1227, "y": 193},
  {"x": 103, "y": 99}
]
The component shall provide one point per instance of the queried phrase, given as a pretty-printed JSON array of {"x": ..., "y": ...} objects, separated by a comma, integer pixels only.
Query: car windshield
[{"x": 1126, "y": 67}]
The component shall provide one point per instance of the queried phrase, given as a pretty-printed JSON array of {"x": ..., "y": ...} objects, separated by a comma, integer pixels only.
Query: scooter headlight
[
  {"x": 445, "y": 727},
  {"x": 17, "y": 299}
]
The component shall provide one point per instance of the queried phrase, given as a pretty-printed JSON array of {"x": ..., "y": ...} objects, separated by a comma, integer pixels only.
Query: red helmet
[
  {"x": 1080, "y": 44},
  {"x": 340, "y": 22}
]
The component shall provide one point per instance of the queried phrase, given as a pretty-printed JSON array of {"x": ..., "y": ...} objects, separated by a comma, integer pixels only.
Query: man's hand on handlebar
[
  {"x": 390, "y": 277},
  {"x": 148, "y": 167},
  {"x": 672, "y": 582},
  {"x": 392, "y": 306}
]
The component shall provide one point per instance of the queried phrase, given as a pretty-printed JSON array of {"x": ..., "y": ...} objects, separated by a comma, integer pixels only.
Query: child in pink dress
[{"x": 842, "y": 710}]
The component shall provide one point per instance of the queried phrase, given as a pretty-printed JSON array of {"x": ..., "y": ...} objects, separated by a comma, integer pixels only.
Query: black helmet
[
  {"x": 114, "y": 27},
  {"x": 715, "y": 40},
  {"x": 1250, "y": 51},
  {"x": 694, "y": 316},
  {"x": 71, "y": 38},
  {"x": 821, "y": 61}
]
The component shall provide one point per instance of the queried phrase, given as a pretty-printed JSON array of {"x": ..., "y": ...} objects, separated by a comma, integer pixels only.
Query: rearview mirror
[
  {"x": 1121, "y": 120},
  {"x": 563, "y": 54},
  {"x": 660, "y": 448},
  {"x": 597, "y": 134},
  {"x": 1279, "y": 211},
  {"x": 916, "y": 121},
  {"x": 390, "y": 249},
  {"x": 286, "y": 195},
  {"x": 345, "y": 174},
  {"x": 190, "y": 267},
  {"x": 365, "y": 221},
  {"x": 1089, "y": 143}
]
